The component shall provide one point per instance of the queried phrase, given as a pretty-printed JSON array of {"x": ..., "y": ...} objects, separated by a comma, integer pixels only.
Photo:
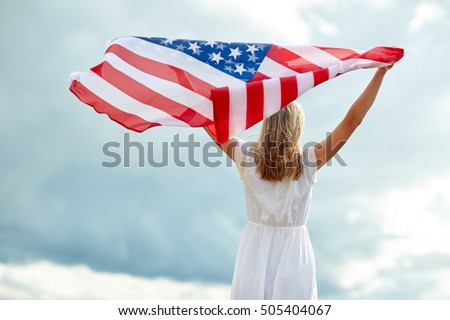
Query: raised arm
[
  {"x": 326, "y": 149},
  {"x": 227, "y": 147}
]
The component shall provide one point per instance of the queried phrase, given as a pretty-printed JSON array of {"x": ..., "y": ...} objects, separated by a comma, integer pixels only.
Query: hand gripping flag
[{"x": 228, "y": 86}]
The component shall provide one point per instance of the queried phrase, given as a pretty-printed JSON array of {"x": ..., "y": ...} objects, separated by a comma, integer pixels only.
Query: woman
[{"x": 275, "y": 257}]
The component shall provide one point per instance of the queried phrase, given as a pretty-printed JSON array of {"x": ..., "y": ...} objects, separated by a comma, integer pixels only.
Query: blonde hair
[{"x": 278, "y": 148}]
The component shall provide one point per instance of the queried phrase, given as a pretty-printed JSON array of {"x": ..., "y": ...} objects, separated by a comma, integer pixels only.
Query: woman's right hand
[{"x": 385, "y": 69}]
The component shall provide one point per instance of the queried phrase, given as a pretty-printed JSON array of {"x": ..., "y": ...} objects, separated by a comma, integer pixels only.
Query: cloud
[
  {"x": 282, "y": 22},
  {"x": 414, "y": 232},
  {"x": 426, "y": 13},
  {"x": 292, "y": 21},
  {"x": 327, "y": 28},
  {"x": 47, "y": 280}
]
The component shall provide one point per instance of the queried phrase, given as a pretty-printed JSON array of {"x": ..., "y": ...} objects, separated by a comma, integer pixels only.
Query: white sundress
[{"x": 275, "y": 259}]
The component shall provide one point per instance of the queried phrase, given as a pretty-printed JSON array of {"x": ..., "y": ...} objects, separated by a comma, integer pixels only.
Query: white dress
[{"x": 275, "y": 259}]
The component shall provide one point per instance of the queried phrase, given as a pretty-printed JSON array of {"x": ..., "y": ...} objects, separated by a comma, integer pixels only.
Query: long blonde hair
[{"x": 278, "y": 147}]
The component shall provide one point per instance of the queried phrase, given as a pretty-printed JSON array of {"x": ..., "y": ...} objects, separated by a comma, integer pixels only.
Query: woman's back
[{"x": 277, "y": 203}]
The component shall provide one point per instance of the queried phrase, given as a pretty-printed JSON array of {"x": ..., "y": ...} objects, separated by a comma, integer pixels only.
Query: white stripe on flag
[
  {"x": 123, "y": 102},
  {"x": 305, "y": 81},
  {"x": 272, "y": 96},
  {"x": 314, "y": 55},
  {"x": 333, "y": 71},
  {"x": 273, "y": 69},
  {"x": 238, "y": 109},
  {"x": 178, "y": 59},
  {"x": 359, "y": 63},
  {"x": 164, "y": 87}
]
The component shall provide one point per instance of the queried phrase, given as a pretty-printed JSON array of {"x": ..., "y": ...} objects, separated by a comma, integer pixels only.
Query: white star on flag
[
  {"x": 194, "y": 47},
  {"x": 210, "y": 43},
  {"x": 252, "y": 58},
  {"x": 216, "y": 57},
  {"x": 252, "y": 49},
  {"x": 234, "y": 53},
  {"x": 240, "y": 68},
  {"x": 168, "y": 41}
]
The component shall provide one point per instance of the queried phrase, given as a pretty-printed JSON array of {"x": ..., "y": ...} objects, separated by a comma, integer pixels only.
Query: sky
[{"x": 71, "y": 228}]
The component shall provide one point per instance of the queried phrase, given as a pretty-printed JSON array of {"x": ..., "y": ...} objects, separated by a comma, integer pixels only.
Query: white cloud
[
  {"x": 415, "y": 228},
  {"x": 379, "y": 3},
  {"x": 274, "y": 20},
  {"x": 292, "y": 22},
  {"x": 47, "y": 280},
  {"x": 327, "y": 28},
  {"x": 425, "y": 13}
]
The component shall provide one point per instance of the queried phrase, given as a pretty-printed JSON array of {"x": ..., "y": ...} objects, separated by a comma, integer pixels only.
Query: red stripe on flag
[
  {"x": 383, "y": 54},
  {"x": 128, "y": 120},
  {"x": 259, "y": 76},
  {"x": 320, "y": 76},
  {"x": 213, "y": 130},
  {"x": 163, "y": 71},
  {"x": 255, "y": 103},
  {"x": 289, "y": 90},
  {"x": 290, "y": 60},
  {"x": 221, "y": 101},
  {"x": 149, "y": 97}
]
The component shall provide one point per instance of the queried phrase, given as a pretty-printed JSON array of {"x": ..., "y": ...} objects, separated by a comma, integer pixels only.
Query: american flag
[{"x": 229, "y": 86}]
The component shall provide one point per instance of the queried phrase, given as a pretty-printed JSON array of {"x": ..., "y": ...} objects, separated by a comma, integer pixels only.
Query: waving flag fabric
[{"x": 228, "y": 86}]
